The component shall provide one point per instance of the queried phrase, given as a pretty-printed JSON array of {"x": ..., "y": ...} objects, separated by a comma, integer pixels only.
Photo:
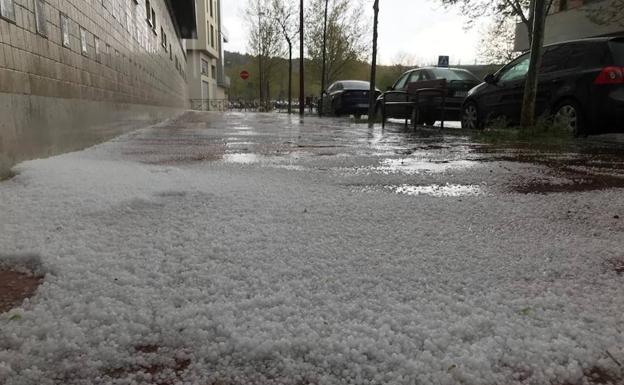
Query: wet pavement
[
  {"x": 247, "y": 248},
  {"x": 428, "y": 161}
]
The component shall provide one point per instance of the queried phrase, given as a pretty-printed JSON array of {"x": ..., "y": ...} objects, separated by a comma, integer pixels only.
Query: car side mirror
[{"x": 490, "y": 79}]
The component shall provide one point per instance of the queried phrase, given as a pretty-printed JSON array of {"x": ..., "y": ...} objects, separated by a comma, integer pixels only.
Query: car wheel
[
  {"x": 470, "y": 116},
  {"x": 569, "y": 117}
]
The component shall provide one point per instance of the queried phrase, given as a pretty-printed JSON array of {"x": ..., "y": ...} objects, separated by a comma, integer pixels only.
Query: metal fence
[{"x": 245, "y": 105}]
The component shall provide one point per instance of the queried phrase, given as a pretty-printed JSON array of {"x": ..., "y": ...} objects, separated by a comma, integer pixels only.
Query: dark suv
[{"x": 581, "y": 85}]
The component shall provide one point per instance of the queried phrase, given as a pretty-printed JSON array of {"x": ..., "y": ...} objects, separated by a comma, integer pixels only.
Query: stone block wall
[{"x": 74, "y": 72}]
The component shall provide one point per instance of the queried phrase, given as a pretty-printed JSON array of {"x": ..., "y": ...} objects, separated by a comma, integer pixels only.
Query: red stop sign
[{"x": 244, "y": 75}]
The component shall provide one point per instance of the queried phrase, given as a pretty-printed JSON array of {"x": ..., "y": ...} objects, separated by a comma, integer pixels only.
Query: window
[
  {"x": 205, "y": 90},
  {"x": 204, "y": 67},
  {"x": 41, "y": 22},
  {"x": 163, "y": 38},
  {"x": 83, "y": 41},
  {"x": 148, "y": 11},
  {"x": 516, "y": 70},
  {"x": 211, "y": 9},
  {"x": 170, "y": 53},
  {"x": 563, "y": 5},
  {"x": 153, "y": 20},
  {"x": 400, "y": 84},
  {"x": 415, "y": 76},
  {"x": 7, "y": 10},
  {"x": 451, "y": 74},
  {"x": 617, "y": 51},
  {"x": 65, "y": 31},
  {"x": 557, "y": 58},
  {"x": 212, "y": 42},
  {"x": 214, "y": 72},
  {"x": 96, "y": 43},
  {"x": 106, "y": 53}
]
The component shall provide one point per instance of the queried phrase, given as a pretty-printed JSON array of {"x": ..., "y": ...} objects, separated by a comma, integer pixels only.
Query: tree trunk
[
  {"x": 289, "y": 77},
  {"x": 324, "y": 58},
  {"x": 301, "y": 69},
  {"x": 527, "y": 118},
  {"x": 530, "y": 20},
  {"x": 373, "y": 75}
]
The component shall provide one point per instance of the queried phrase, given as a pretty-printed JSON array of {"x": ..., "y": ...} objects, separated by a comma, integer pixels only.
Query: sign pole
[{"x": 301, "y": 69}]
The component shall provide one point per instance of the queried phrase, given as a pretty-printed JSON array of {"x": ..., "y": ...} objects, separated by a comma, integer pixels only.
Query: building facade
[
  {"x": 574, "y": 19},
  {"x": 208, "y": 85},
  {"x": 75, "y": 72}
]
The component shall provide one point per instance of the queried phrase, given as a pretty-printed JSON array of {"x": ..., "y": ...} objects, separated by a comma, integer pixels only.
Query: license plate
[{"x": 461, "y": 94}]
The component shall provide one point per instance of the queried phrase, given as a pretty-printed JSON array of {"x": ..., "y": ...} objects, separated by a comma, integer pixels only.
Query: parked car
[
  {"x": 458, "y": 81},
  {"x": 580, "y": 84},
  {"x": 346, "y": 97}
]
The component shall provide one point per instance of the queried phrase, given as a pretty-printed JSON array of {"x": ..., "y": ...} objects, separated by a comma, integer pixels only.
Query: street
[{"x": 245, "y": 248}]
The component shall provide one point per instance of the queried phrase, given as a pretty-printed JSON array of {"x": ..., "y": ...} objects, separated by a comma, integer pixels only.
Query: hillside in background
[{"x": 248, "y": 89}]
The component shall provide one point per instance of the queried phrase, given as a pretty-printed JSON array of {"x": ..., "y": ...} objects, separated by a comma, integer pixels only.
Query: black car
[
  {"x": 458, "y": 82},
  {"x": 346, "y": 97},
  {"x": 580, "y": 84}
]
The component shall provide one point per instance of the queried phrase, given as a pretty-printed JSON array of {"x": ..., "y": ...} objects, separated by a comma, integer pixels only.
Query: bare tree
[
  {"x": 373, "y": 75},
  {"x": 285, "y": 12},
  {"x": 402, "y": 62},
  {"x": 346, "y": 40},
  {"x": 264, "y": 42},
  {"x": 501, "y": 10},
  {"x": 497, "y": 43}
]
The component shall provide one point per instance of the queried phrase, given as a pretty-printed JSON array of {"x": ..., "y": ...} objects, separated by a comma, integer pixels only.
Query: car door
[
  {"x": 560, "y": 64},
  {"x": 503, "y": 98},
  {"x": 395, "y": 95}
]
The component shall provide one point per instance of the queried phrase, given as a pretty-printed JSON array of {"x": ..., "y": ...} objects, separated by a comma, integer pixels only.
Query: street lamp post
[
  {"x": 301, "y": 85},
  {"x": 260, "y": 74},
  {"x": 324, "y": 59}
]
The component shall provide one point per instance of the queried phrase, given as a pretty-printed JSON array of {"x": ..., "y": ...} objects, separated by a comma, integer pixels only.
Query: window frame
[
  {"x": 508, "y": 67},
  {"x": 84, "y": 44},
  {"x": 404, "y": 76},
  {"x": 148, "y": 11},
  {"x": 41, "y": 21},
  {"x": 9, "y": 13},
  {"x": 65, "y": 33}
]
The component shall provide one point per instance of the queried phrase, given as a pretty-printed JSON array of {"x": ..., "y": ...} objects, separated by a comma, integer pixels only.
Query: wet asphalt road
[{"x": 430, "y": 161}]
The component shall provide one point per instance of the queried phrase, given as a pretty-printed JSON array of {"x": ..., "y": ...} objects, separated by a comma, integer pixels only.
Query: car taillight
[{"x": 610, "y": 75}]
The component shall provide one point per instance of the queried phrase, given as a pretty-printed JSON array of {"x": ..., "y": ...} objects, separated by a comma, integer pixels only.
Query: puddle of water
[
  {"x": 447, "y": 190},
  {"x": 242, "y": 158},
  {"x": 415, "y": 166},
  {"x": 290, "y": 167}
]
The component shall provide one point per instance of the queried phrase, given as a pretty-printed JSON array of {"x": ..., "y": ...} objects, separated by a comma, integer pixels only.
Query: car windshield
[
  {"x": 617, "y": 49},
  {"x": 355, "y": 85},
  {"x": 452, "y": 74}
]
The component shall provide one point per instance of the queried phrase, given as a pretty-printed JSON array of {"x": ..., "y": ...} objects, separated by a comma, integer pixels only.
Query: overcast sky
[{"x": 419, "y": 29}]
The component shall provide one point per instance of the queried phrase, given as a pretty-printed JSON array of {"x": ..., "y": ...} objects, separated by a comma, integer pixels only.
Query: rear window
[
  {"x": 356, "y": 85},
  {"x": 451, "y": 74},
  {"x": 617, "y": 50}
]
